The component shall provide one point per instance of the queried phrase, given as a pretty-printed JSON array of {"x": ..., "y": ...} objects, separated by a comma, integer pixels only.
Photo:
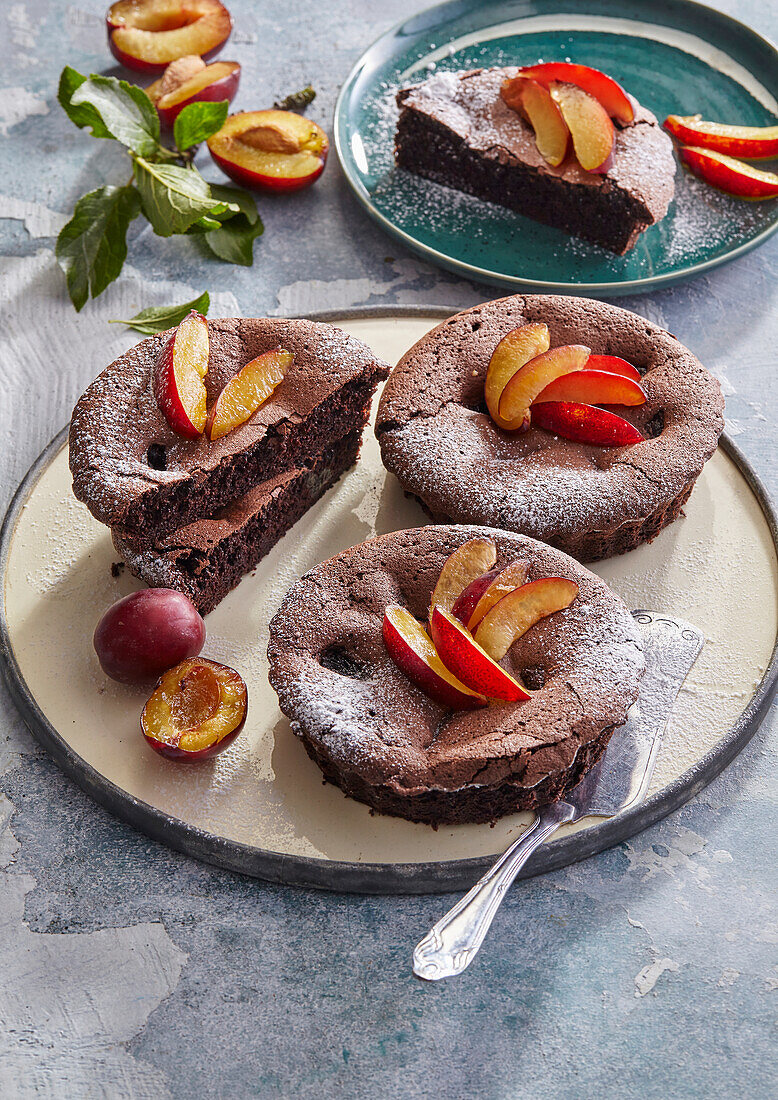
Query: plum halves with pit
[{"x": 277, "y": 151}]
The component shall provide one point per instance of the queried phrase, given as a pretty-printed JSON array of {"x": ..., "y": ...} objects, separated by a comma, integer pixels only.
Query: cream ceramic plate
[{"x": 261, "y": 807}]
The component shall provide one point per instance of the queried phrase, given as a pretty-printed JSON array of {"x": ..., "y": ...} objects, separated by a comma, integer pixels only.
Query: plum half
[
  {"x": 185, "y": 81},
  {"x": 196, "y": 710},
  {"x": 146, "y": 35},
  {"x": 270, "y": 150}
]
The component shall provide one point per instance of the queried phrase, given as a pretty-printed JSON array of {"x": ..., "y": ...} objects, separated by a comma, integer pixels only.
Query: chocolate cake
[
  {"x": 384, "y": 742},
  {"x": 206, "y": 559},
  {"x": 438, "y": 439},
  {"x": 455, "y": 129},
  {"x": 137, "y": 475}
]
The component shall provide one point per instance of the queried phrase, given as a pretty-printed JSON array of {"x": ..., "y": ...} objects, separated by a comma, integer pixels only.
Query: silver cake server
[{"x": 616, "y": 783}]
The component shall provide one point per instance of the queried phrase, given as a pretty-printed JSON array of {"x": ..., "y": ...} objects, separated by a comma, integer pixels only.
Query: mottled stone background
[{"x": 129, "y": 971}]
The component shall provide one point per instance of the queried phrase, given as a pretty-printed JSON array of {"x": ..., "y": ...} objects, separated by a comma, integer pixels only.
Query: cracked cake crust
[
  {"x": 440, "y": 442},
  {"x": 384, "y": 742}
]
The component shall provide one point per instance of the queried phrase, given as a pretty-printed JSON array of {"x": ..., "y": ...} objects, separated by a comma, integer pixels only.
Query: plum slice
[
  {"x": 749, "y": 142},
  {"x": 178, "y": 374},
  {"x": 196, "y": 710},
  {"x": 613, "y": 364},
  {"x": 729, "y": 174},
  {"x": 513, "y": 615},
  {"x": 517, "y": 348},
  {"x": 247, "y": 391},
  {"x": 585, "y": 424},
  {"x": 415, "y": 654},
  {"x": 483, "y": 593},
  {"x": 469, "y": 662},
  {"x": 604, "y": 88},
  {"x": 468, "y": 562},
  {"x": 589, "y": 124},
  {"x": 595, "y": 387},
  {"x": 537, "y": 105}
]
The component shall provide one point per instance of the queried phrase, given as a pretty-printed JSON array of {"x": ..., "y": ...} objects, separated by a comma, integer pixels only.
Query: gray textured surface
[{"x": 128, "y": 971}]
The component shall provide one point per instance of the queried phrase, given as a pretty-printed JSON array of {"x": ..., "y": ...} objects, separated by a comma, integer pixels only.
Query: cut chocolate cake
[
  {"x": 455, "y": 129},
  {"x": 142, "y": 478},
  {"x": 206, "y": 559},
  {"x": 195, "y": 510}
]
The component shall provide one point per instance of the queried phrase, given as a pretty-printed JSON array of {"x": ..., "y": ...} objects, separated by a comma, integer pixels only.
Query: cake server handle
[{"x": 451, "y": 945}]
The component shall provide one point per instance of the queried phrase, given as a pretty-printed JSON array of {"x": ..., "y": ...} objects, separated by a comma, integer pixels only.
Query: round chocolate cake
[
  {"x": 385, "y": 742},
  {"x": 438, "y": 439}
]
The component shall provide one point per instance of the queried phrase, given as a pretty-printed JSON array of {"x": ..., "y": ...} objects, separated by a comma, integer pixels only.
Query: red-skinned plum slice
[
  {"x": 469, "y": 561},
  {"x": 412, "y": 650},
  {"x": 462, "y": 654},
  {"x": 585, "y": 424},
  {"x": 519, "y": 610}
]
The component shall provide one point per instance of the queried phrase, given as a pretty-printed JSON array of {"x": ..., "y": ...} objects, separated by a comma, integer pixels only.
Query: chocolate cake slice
[
  {"x": 141, "y": 478},
  {"x": 206, "y": 559},
  {"x": 385, "y": 742},
  {"x": 455, "y": 129}
]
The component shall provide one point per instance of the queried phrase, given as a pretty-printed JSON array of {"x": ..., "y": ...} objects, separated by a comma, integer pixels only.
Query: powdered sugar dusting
[
  {"x": 340, "y": 716},
  {"x": 471, "y": 106},
  {"x": 542, "y": 498},
  {"x": 705, "y": 217}
]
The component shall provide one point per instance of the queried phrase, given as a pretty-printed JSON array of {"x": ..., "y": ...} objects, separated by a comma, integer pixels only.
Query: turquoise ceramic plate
[{"x": 673, "y": 55}]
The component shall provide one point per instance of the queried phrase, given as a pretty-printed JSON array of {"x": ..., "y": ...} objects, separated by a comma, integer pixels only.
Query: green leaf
[
  {"x": 234, "y": 240},
  {"x": 84, "y": 114},
  {"x": 92, "y": 247},
  {"x": 197, "y": 122},
  {"x": 127, "y": 113},
  {"x": 161, "y": 318},
  {"x": 174, "y": 198},
  {"x": 232, "y": 196}
]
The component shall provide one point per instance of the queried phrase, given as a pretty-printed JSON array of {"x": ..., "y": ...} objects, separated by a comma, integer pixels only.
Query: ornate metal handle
[{"x": 452, "y": 944}]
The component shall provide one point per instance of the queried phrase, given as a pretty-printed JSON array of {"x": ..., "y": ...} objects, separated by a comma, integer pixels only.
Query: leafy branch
[
  {"x": 165, "y": 186},
  {"x": 161, "y": 318}
]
